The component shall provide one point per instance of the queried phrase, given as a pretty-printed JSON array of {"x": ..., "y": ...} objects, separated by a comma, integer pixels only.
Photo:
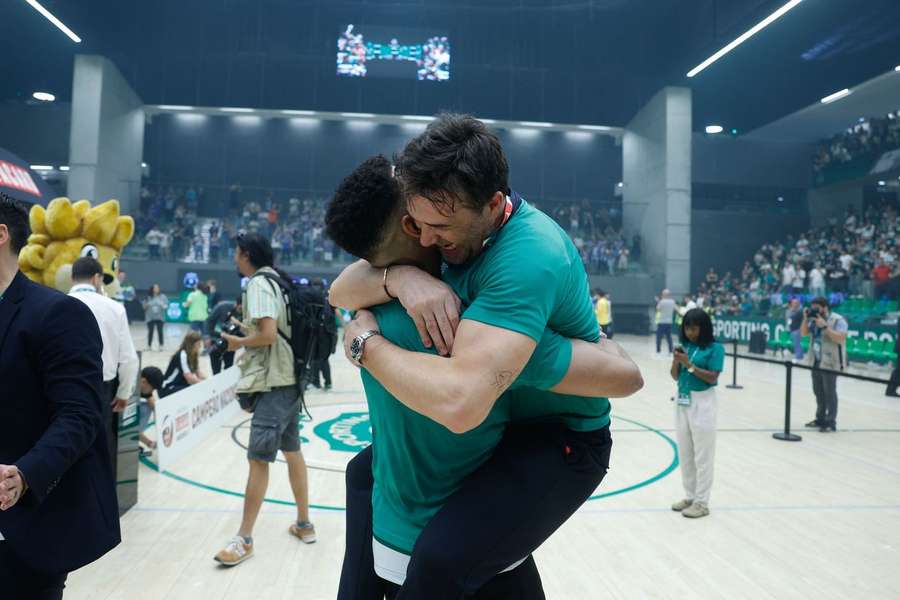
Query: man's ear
[
  {"x": 496, "y": 201},
  {"x": 409, "y": 227}
]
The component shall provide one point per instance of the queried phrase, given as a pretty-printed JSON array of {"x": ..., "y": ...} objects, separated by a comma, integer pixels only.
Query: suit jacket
[{"x": 51, "y": 428}]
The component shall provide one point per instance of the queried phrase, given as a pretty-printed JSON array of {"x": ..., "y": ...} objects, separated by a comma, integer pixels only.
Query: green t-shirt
[
  {"x": 530, "y": 277},
  {"x": 199, "y": 308},
  {"x": 418, "y": 463},
  {"x": 711, "y": 358}
]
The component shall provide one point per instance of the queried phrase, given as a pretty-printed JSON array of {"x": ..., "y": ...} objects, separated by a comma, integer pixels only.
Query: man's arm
[
  {"x": 601, "y": 369},
  {"x": 266, "y": 334},
  {"x": 430, "y": 302},
  {"x": 459, "y": 391},
  {"x": 72, "y": 373},
  {"x": 128, "y": 362}
]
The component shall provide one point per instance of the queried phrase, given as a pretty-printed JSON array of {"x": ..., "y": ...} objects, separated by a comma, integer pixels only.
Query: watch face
[{"x": 356, "y": 348}]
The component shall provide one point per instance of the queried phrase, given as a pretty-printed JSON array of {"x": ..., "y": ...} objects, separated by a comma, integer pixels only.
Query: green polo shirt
[
  {"x": 710, "y": 358},
  {"x": 530, "y": 277}
]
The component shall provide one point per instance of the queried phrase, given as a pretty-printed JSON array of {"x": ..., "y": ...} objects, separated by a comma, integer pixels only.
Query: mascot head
[{"x": 65, "y": 232}]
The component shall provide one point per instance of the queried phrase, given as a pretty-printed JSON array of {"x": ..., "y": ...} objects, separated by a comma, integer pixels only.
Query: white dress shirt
[{"x": 119, "y": 356}]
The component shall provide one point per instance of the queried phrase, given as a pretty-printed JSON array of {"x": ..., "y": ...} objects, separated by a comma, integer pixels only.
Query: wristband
[{"x": 384, "y": 283}]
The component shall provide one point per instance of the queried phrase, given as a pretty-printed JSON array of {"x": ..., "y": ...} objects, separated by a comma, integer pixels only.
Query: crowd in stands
[
  {"x": 853, "y": 256},
  {"x": 867, "y": 137},
  {"x": 596, "y": 230},
  {"x": 170, "y": 225}
]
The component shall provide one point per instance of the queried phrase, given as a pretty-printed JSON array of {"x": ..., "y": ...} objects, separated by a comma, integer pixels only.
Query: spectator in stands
[
  {"x": 799, "y": 280},
  {"x": 184, "y": 366},
  {"x": 154, "y": 239},
  {"x": 665, "y": 314},
  {"x": 155, "y": 306},
  {"x": 788, "y": 275},
  {"x": 817, "y": 280},
  {"x": 880, "y": 276},
  {"x": 827, "y": 350}
]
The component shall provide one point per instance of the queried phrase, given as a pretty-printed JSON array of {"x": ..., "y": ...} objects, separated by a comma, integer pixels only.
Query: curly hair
[
  {"x": 362, "y": 205},
  {"x": 457, "y": 158}
]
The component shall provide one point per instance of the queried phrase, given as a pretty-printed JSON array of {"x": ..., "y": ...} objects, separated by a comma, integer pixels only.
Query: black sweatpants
[
  {"x": 536, "y": 479},
  {"x": 218, "y": 360}
]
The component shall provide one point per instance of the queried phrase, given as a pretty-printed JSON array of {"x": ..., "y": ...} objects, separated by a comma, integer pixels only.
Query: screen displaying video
[{"x": 364, "y": 51}]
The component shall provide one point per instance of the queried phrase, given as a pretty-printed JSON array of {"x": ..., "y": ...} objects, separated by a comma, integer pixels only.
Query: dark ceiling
[{"x": 559, "y": 60}]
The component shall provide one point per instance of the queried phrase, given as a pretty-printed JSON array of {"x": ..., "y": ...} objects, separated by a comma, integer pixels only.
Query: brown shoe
[
  {"x": 236, "y": 552},
  {"x": 307, "y": 533}
]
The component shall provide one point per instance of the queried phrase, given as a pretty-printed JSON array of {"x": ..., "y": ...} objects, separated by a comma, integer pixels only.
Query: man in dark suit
[{"x": 58, "y": 509}]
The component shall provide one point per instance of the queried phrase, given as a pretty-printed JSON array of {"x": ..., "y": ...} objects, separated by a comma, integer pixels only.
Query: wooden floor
[{"x": 815, "y": 519}]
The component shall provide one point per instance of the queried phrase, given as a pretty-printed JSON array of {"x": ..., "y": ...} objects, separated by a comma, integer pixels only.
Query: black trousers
[
  {"x": 536, "y": 479},
  {"x": 664, "y": 330},
  {"x": 323, "y": 367},
  {"x": 825, "y": 390},
  {"x": 151, "y": 325},
  {"x": 21, "y": 582},
  {"x": 607, "y": 330},
  {"x": 218, "y": 360}
]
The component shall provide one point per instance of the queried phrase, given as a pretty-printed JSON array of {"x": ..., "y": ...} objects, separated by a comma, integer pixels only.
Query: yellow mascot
[{"x": 65, "y": 232}]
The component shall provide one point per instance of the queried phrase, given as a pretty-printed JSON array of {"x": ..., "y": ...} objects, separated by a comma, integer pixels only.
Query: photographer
[
  {"x": 267, "y": 375},
  {"x": 223, "y": 319},
  {"x": 827, "y": 350}
]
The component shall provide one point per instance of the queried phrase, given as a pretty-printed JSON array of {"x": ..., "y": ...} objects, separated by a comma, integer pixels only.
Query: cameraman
[
  {"x": 219, "y": 322},
  {"x": 827, "y": 350},
  {"x": 267, "y": 372}
]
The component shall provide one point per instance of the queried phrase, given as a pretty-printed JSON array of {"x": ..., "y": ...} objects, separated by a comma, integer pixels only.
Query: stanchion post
[
  {"x": 734, "y": 384},
  {"x": 786, "y": 435}
]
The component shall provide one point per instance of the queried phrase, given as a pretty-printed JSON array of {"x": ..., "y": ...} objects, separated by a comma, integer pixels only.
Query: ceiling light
[
  {"x": 64, "y": 168},
  {"x": 43, "y": 96},
  {"x": 620, "y": 184},
  {"x": 488, "y": 121},
  {"x": 897, "y": 68},
  {"x": 37, "y": 6},
  {"x": 143, "y": 165},
  {"x": 714, "y": 129},
  {"x": 880, "y": 183},
  {"x": 237, "y": 110},
  {"x": 416, "y": 118},
  {"x": 298, "y": 112},
  {"x": 174, "y": 107},
  {"x": 593, "y": 127},
  {"x": 41, "y": 167},
  {"x": 535, "y": 124},
  {"x": 835, "y": 96},
  {"x": 744, "y": 37},
  {"x": 353, "y": 115}
]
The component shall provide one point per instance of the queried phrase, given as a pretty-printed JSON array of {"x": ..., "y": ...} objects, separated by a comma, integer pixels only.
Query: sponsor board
[{"x": 740, "y": 328}]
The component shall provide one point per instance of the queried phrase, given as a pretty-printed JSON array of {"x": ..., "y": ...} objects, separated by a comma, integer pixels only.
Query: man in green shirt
[
  {"x": 197, "y": 304},
  {"x": 364, "y": 219}
]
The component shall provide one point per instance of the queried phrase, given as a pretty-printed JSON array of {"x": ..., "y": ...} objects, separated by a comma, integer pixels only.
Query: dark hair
[
  {"x": 85, "y": 268},
  {"x": 362, "y": 205},
  {"x": 821, "y": 301},
  {"x": 457, "y": 158},
  {"x": 257, "y": 248},
  {"x": 14, "y": 215},
  {"x": 150, "y": 292},
  {"x": 601, "y": 293},
  {"x": 699, "y": 317},
  {"x": 153, "y": 376}
]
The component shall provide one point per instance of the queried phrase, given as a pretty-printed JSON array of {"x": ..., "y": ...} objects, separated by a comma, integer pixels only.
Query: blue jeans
[
  {"x": 798, "y": 346},
  {"x": 664, "y": 330}
]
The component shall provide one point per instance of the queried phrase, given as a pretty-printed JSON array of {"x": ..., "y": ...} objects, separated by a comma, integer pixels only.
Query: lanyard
[{"x": 83, "y": 287}]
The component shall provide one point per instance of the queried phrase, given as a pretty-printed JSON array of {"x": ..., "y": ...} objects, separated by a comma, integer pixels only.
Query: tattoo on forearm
[{"x": 502, "y": 380}]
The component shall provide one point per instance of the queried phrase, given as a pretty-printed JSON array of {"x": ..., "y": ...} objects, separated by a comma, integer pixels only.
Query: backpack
[{"x": 307, "y": 314}]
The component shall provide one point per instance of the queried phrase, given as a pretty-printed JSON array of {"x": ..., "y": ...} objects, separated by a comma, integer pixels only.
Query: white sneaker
[
  {"x": 695, "y": 511},
  {"x": 681, "y": 505}
]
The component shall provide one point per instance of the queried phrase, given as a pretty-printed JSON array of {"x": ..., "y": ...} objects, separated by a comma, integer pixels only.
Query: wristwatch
[
  {"x": 691, "y": 369},
  {"x": 358, "y": 345}
]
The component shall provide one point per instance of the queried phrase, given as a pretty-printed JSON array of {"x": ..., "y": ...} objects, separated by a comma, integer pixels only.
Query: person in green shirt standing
[
  {"x": 517, "y": 273},
  {"x": 696, "y": 366},
  {"x": 197, "y": 304}
]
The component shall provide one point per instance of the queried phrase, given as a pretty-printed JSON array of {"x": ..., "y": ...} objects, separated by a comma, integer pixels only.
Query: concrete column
[
  {"x": 656, "y": 165},
  {"x": 107, "y": 135}
]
